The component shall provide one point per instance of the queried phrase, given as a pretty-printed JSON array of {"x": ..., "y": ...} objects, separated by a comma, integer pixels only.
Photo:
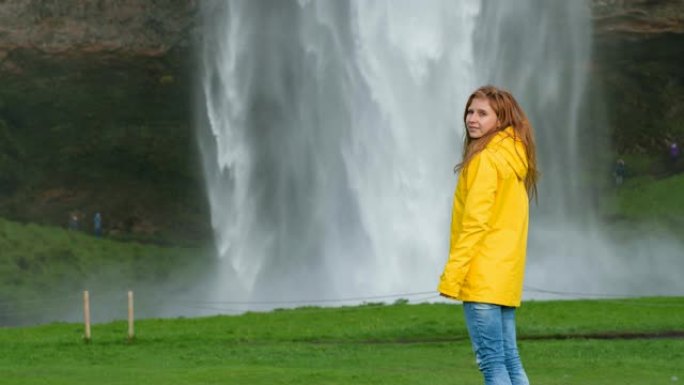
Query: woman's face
[{"x": 480, "y": 118}]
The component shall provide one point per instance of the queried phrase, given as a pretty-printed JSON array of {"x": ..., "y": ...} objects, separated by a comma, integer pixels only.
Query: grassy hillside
[
  {"x": 649, "y": 204},
  {"x": 43, "y": 268},
  {"x": 374, "y": 344},
  {"x": 649, "y": 198}
]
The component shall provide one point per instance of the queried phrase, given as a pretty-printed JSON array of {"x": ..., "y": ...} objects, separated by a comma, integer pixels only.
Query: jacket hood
[{"x": 509, "y": 152}]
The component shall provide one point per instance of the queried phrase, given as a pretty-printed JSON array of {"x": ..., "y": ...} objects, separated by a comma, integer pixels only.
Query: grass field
[
  {"x": 563, "y": 342},
  {"x": 645, "y": 198}
]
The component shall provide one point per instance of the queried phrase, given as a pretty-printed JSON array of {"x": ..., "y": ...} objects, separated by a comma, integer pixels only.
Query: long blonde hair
[{"x": 509, "y": 114}]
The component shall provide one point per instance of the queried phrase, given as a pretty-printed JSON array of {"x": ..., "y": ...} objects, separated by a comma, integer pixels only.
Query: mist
[{"x": 329, "y": 132}]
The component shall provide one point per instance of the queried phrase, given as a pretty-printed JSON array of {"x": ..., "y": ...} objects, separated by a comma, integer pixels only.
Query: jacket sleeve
[{"x": 481, "y": 185}]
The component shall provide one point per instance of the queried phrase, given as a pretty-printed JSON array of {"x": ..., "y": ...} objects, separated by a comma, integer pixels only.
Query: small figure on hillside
[
  {"x": 673, "y": 154},
  {"x": 73, "y": 221},
  {"x": 97, "y": 224},
  {"x": 619, "y": 171}
]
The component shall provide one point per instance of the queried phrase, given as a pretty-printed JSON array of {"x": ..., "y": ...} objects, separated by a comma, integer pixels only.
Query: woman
[{"x": 498, "y": 175}]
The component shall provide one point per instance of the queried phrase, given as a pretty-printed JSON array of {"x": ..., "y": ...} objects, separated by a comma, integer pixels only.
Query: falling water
[{"x": 329, "y": 131}]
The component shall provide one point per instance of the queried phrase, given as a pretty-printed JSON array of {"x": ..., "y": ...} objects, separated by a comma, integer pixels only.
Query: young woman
[{"x": 498, "y": 175}]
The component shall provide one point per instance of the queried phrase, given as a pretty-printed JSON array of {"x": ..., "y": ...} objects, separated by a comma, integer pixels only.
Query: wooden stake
[
  {"x": 86, "y": 315},
  {"x": 131, "y": 330}
]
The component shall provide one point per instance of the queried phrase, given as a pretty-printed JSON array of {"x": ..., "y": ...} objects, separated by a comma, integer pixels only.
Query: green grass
[
  {"x": 397, "y": 344},
  {"x": 648, "y": 198}
]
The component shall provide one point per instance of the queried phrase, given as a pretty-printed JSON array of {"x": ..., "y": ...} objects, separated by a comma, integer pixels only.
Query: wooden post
[
  {"x": 86, "y": 315},
  {"x": 131, "y": 330}
]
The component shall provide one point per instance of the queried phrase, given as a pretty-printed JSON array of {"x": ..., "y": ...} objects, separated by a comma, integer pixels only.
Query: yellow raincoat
[{"x": 489, "y": 226}]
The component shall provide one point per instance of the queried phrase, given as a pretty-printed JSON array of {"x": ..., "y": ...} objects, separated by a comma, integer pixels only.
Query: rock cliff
[
  {"x": 151, "y": 28},
  {"x": 95, "y": 115},
  {"x": 638, "y": 17},
  {"x": 638, "y": 56},
  {"x": 145, "y": 28}
]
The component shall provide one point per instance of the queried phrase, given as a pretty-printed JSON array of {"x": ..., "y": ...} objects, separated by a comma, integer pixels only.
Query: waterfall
[{"x": 329, "y": 131}]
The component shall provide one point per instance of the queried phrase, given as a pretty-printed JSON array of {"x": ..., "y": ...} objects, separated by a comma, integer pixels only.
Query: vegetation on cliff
[{"x": 112, "y": 134}]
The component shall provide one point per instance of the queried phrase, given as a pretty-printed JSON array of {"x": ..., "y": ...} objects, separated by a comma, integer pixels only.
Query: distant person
[
  {"x": 674, "y": 153},
  {"x": 97, "y": 224},
  {"x": 486, "y": 264},
  {"x": 619, "y": 171},
  {"x": 73, "y": 221}
]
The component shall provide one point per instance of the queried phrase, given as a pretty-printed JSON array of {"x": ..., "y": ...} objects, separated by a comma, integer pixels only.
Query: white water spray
[{"x": 329, "y": 131}]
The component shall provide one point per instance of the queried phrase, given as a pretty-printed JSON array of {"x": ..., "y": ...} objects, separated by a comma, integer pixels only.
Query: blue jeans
[{"x": 492, "y": 334}]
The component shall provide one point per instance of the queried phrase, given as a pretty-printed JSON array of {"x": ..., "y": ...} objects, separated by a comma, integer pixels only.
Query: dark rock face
[
  {"x": 638, "y": 17},
  {"x": 96, "y": 106},
  {"x": 95, "y": 115},
  {"x": 638, "y": 56},
  {"x": 151, "y": 28},
  {"x": 135, "y": 27}
]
